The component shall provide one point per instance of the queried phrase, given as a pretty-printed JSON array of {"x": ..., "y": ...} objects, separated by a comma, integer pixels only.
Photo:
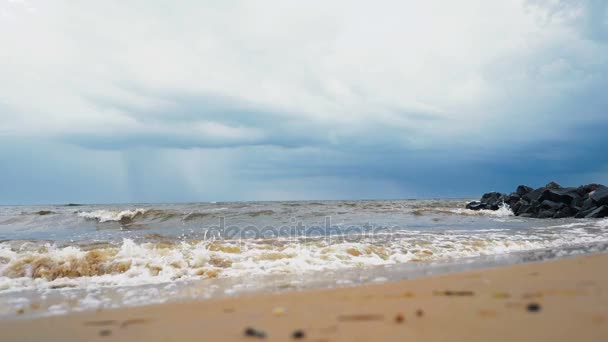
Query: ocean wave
[
  {"x": 46, "y": 266},
  {"x": 123, "y": 216},
  {"x": 603, "y": 223},
  {"x": 503, "y": 211}
]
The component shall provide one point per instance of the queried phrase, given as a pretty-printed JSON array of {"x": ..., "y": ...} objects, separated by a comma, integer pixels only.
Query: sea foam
[{"x": 110, "y": 215}]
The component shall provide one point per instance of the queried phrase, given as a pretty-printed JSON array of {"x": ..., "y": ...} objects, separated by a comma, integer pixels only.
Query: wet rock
[
  {"x": 550, "y": 205},
  {"x": 523, "y": 190},
  {"x": 600, "y": 212},
  {"x": 599, "y": 196},
  {"x": 550, "y": 201},
  {"x": 512, "y": 199},
  {"x": 584, "y": 213},
  {"x": 565, "y": 212},
  {"x": 517, "y": 206},
  {"x": 492, "y": 198},
  {"x": 546, "y": 213},
  {"x": 534, "y": 195},
  {"x": 553, "y": 185},
  {"x": 584, "y": 190},
  {"x": 563, "y": 195},
  {"x": 475, "y": 205}
]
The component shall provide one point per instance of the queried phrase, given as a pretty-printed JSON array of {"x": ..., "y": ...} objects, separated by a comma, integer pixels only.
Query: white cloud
[{"x": 341, "y": 68}]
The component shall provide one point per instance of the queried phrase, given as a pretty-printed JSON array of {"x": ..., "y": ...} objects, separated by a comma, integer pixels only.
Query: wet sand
[{"x": 562, "y": 300}]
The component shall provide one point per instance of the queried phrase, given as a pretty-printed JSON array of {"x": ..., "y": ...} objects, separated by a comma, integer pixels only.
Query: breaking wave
[
  {"x": 47, "y": 266},
  {"x": 109, "y": 215},
  {"x": 503, "y": 211}
]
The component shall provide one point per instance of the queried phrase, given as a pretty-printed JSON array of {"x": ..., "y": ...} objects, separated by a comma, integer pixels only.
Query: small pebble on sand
[
  {"x": 105, "y": 332},
  {"x": 419, "y": 313},
  {"x": 533, "y": 307},
  {"x": 399, "y": 318},
  {"x": 251, "y": 332},
  {"x": 298, "y": 334}
]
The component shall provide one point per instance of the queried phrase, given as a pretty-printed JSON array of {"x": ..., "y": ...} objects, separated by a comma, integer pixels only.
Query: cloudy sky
[{"x": 158, "y": 101}]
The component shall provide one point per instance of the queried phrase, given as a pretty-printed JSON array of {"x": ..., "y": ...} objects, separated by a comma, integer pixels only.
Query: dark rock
[
  {"x": 547, "y": 213},
  {"x": 563, "y": 195},
  {"x": 599, "y": 196},
  {"x": 516, "y": 207},
  {"x": 523, "y": 190},
  {"x": 475, "y": 205},
  {"x": 565, "y": 212},
  {"x": 584, "y": 190},
  {"x": 548, "y": 209},
  {"x": 584, "y": 213},
  {"x": 588, "y": 204},
  {"x": 512, "y": 199},
  {"x": 600, "y": 212},
  {"x": 550, "y": 201},
  {"x": 530, "y": 208},
  {"x": 550, "y": 205},
  {"x": 578, "y": 202},
  {"x": 493, "y": 198},
  {"x": 490, "y": 195},
  {"x": 534, "y": 195}
]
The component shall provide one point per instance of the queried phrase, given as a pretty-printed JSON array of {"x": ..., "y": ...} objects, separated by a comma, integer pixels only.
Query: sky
[{"x": 161, "y": 101}]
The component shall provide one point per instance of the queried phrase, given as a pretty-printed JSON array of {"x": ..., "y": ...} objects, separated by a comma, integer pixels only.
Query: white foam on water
[
  {"x": 49, "y": 267},
  {"x": 504, "y": 210},
  {"x": 112, "y": 215},
  {"x": 603, "y": 223}
]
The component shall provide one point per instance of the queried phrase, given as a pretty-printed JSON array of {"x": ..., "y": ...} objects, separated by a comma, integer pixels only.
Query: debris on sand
[
  {"x": 502, "y": 295},
  {"x": 399, "y": 318},
  {"x": 251, "y": 332},
  {"x": 454, "y": 293},
  {"x": 105, "y": 332},
  {"x": 533, "y": 307},
  {"x": 298, "y": 334},
  {"x": 361, "y": 317},
  {"x": 279, "y": 311}
]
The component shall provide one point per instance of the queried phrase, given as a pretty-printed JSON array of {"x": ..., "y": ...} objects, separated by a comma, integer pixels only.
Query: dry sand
[{"x": 564, "y": 300}]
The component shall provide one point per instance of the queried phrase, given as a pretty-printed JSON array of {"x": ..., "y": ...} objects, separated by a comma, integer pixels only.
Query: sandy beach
[{"x": 561, "y": 300}]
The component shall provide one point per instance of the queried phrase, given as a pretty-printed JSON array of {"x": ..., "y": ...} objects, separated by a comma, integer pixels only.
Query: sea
[{"x": 58, "y": 259}]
